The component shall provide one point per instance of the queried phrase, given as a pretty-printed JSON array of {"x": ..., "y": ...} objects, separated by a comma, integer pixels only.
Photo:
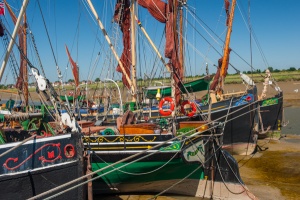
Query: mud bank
[
  {"x": 290, "y": 90},
  {"x": 274, "y": 171}
]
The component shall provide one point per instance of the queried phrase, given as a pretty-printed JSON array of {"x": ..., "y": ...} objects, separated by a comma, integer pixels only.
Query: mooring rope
[
  {"x": 144, "y": 173},
  {"x": 202, "y": 164},
  {"x": 243, "y": 185},
  {"x": 18, "y": 145}
]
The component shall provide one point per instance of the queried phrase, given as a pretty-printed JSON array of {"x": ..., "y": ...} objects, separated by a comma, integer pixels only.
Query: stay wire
[
  {"x": 13, "y": 59},
  {"x": 237, "y": 178},
  {"x": 48, "y": 37},
  {"x": 14, "y": 70},
  {"x": 192, "y": 172},
  {"x": 252, "y": 33},
  {"x": 232, "y": 50}
]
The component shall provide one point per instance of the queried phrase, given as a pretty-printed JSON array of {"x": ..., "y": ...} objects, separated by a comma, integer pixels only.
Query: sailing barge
[{"x": 191, "y": 163}]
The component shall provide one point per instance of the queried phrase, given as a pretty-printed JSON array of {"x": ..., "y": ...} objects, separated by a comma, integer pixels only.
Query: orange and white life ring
[
  {"x": 166, "y": 112},
  {"x": 193, "y": 107}
]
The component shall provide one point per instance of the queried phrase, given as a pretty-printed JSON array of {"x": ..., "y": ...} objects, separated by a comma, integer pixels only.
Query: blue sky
[{"x": 275, "y": 24}]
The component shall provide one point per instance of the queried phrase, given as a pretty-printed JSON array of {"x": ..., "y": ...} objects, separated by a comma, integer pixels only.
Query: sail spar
[
  {"x": 167, "y": 13},
  {"x": 164, "y": 13}
]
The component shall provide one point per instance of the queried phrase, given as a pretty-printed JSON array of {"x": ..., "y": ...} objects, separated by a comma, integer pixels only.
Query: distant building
[{"x": 56, "y": 83}]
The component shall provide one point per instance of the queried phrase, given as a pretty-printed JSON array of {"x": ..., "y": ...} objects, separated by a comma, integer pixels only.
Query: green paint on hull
[
  {"x": 269, "y": 102},
  {"x": 193, "y": 86},
  {"x": 174, "y": 147},
  {"x": 140, "y": 172}
]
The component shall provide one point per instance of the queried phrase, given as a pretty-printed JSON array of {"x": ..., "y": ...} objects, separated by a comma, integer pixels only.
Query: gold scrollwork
[{"x": 102, "y": 139}]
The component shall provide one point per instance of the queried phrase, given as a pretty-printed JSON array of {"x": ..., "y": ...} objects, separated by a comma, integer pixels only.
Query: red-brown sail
[
  {"x": 167, "y": 13},
  {"x": 227, "y": 4},
  {"x": 214, "y": 84},
  {"x": 74, "y": 69},
  {"x": 122, "y": 17},
  {"x": 157, "y": 8}
]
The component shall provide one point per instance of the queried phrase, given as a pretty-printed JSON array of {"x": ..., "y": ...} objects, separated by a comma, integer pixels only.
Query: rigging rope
[
  {"x": 192, "y": 172},
  {"x": 18, "y": 145},
  {"x": 57, "y": 68},
  {"x": 37, "y": 53},
  {"x": 251, "y": 31},
  {"x": 236, "y": 176},
  {"x": 12, "y": 59}
]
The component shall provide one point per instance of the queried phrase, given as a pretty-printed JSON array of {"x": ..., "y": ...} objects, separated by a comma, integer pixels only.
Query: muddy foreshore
[{"x": 274, "y": 171}]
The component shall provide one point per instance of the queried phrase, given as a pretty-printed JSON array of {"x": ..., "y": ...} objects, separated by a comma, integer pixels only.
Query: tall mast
[
  {"x": 22, "y": 81},
  {"x": 133, "y": 51},
  {"x": 13, "y": 37},
  {"x": 181, "y": 60},
  {"x": 109, "y": 42},
  {"x": 24, "y": 62},
  {"x": 225, "y": 60},
  {"x": 174, "y": 6}
]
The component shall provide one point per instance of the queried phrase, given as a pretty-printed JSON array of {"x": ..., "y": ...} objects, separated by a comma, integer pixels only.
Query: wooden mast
[
  {"x": 24, "y": 62},
  {"x": 181, "y": 60},
  {"x": 22, "y": 81},
  {"x": 11, "y": 42},
  {"x": 153, "y": 45},
  {"x": 173, "y": 90},
  {"x": 225, "y": 60},
  {"x": 133, "y": 51}
]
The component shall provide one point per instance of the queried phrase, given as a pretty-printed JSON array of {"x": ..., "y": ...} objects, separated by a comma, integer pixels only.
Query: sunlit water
[{"x": 291, "y": 115}]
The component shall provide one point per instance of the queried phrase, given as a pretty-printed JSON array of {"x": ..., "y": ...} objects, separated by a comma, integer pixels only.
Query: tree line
[{"x": 258, "y": 71}]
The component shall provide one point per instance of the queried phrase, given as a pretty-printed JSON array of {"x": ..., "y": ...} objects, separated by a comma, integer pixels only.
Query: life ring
[
  {"x": 193, "y": 107},
  {"x": 108, "y": 131},
  {"x": 169, "y": 111}
]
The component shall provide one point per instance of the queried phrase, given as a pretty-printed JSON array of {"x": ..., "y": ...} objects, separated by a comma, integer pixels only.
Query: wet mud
[{"x": 274, "y": 171}]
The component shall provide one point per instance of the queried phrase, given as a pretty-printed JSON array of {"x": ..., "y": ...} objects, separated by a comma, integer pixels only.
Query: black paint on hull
[
  {"x": 272, "y": 114},
  {"x": 239, "y": 123},
  {"x": 219, "y": 166},
  {"x": 40, "y": 165}
]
